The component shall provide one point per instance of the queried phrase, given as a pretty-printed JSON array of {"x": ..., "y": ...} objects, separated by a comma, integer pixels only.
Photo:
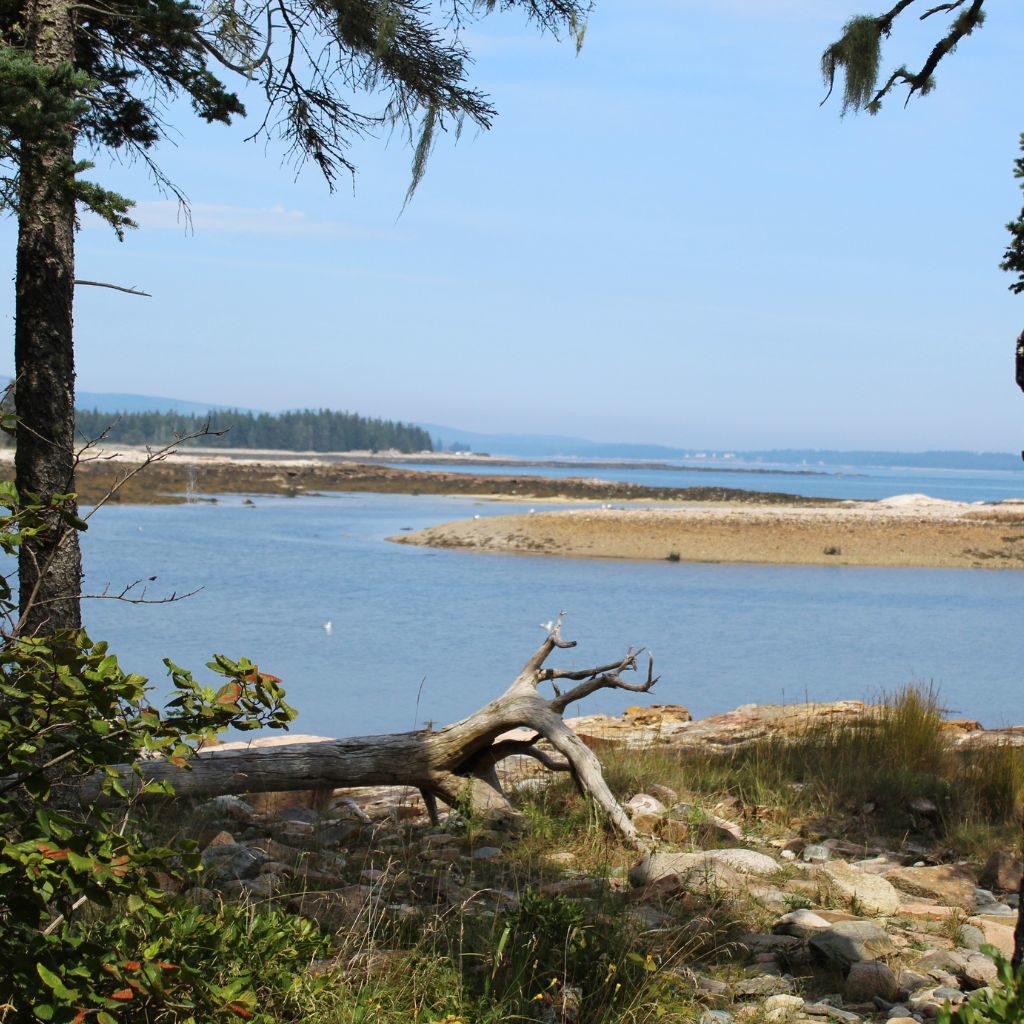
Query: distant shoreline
[
  {"x": 911, "y": 531},
  {"x": 185, "y": 475}
]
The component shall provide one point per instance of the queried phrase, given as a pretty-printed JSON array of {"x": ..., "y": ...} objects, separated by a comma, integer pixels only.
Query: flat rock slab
[
  {"x": 859, "y": 890},
  {"x": 660, "y": 864},
  {"x": 949, "y": 884},
  {"x": 851, "y": 942}
]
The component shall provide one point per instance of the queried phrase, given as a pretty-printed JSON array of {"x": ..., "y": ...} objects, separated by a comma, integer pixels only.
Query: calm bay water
[
  {"x": 860, "y": 482},
  {"x": 450, "y": 629}
]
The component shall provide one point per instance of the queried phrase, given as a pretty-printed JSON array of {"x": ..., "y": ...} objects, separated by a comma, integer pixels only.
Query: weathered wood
[{"x": 442, "y": 763}]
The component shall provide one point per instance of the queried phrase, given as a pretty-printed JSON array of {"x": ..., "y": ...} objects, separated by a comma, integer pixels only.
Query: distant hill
[
  {"x": 552, "y": 445},
  {"x": 542, "y": 445},
  {"x": 545, "y": 445},
  {"x": 124, "y": 402}
]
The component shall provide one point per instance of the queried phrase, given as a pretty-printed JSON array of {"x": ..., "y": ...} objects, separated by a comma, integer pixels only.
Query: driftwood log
[{"x": 444, "y": 764}]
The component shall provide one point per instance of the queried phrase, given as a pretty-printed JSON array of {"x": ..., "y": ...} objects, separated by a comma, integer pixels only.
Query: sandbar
[{"x": 906, "y": 530}]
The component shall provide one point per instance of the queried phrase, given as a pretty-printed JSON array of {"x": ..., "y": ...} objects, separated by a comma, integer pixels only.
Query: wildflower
[{"x": 539, "y": 995}]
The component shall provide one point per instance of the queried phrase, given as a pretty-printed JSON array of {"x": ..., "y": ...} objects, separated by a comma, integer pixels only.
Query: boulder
[
  {"x": 868, "y": 980},
  {"x": 230, "y": 861},
  {"x": 661, "y": 864},
  {"x": 971, "y": 937},
  {"x": 849, "y": 942},
  {"x": 949, "y": 884},
  {"x": 1002, "y": 872},
  {"x": 801, "y": 923},
  {"x": 643, "y": 803},
  {"x": 862, "y": 892},
  {"x": 996, "y": 933}
]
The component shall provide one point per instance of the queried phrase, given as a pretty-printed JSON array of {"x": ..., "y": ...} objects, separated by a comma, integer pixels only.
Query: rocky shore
[
  {"x": 187, "y": 475},
  {"x": 908, "y": 530},
  {"x": 750, "y": 923}
]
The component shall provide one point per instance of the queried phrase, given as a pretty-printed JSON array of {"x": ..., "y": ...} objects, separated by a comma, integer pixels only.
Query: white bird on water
[{"x": 328, "y": 627}]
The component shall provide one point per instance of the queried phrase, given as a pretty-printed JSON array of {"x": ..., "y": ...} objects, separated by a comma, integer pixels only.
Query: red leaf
[
  {"x": 239, "y": 1009},
  {"x": 123, "y": 994},
  {"x": 229, "y": 694},
  {"x": 53, "y": 852},
  {"x": 78, "y": 1017},
  {"x": 132, "y": 965}
]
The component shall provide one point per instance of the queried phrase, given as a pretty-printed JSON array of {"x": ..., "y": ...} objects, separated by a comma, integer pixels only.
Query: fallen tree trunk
[{"x": 441, "y": 764}]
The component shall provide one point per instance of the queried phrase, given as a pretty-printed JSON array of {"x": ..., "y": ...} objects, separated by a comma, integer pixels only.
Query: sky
[{"x": 664, "y": 239}]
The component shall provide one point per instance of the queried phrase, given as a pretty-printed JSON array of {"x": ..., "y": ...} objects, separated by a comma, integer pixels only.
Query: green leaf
[{"x": 52, "y": 981}]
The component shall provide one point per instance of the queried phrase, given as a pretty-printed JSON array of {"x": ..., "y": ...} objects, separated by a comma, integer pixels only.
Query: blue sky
[{"x": 664, "y": 239}]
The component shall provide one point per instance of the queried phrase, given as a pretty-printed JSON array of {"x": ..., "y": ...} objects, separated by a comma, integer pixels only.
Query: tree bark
[
  {"x": 442, "y": 764},
  {"x": 49, "y": 565}
]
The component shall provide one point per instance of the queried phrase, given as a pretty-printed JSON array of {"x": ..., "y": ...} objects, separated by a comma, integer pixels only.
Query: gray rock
[
  {"x": 716, "y": 1017},
  {"x": 815, "y": 853},
  {"x": 487, "y": 853},
  {"x": 868, "y": 980},
  {"x": 227, "y": 806},
  {"x": 972, "y": 937},
  {"x": 899, "y": 1010},
  {"x": 831, "y": 1012},
  {"x": 229, "y": 861},
  {"x": 661, "y": 864},
  {"x": 304, "y": 814},
  {"x": 644, "y": 802},
  {"x": 849, "y": 942},
  {"x": 801, "y": 923},
  {"x": 763, "y": 985},
  {"x": 746, "y": 862},
  {"x": 978, "y": 971},
  {"x": 862, "y": 892}
]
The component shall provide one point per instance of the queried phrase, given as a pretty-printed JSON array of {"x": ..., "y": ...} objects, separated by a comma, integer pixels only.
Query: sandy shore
[{"x": 909, "y": 530}]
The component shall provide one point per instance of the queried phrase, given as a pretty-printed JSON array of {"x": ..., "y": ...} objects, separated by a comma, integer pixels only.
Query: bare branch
[
  {"x": 607, "y": 681},
  {"x": 114, "y": 287},
  {"x": 921, "y": 81},
  {"x": 551, "y": 641},
  {"x": 943, "y": 7}
]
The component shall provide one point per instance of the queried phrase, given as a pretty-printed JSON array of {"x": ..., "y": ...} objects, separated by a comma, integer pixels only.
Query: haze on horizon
[{"x": 663, "y": 240}]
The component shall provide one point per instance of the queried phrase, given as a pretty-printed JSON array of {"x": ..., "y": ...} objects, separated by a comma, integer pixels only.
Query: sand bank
[{"x": 909, "y": 530}]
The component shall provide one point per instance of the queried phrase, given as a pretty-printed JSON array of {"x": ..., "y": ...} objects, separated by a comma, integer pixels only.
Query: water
[
  {"x": 421, "y": 634},
  {"x": 862, "y": 482}
]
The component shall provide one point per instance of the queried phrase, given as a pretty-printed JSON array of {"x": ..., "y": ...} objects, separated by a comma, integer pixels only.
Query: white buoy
[{"x": 328, "y": 627}]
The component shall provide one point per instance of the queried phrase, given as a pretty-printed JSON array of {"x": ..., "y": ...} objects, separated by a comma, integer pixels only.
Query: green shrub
[{"x": 86, "y": 934}]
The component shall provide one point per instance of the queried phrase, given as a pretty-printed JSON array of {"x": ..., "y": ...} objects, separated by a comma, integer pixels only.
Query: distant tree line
[{"x": 318, "y": 430}]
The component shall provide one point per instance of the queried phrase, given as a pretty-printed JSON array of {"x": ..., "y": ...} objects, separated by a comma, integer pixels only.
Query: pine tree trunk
[{"x": 49, "y": 565}]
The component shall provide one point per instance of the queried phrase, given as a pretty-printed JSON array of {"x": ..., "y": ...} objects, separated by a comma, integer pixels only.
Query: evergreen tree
[{"x": 99, "y": 74}]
